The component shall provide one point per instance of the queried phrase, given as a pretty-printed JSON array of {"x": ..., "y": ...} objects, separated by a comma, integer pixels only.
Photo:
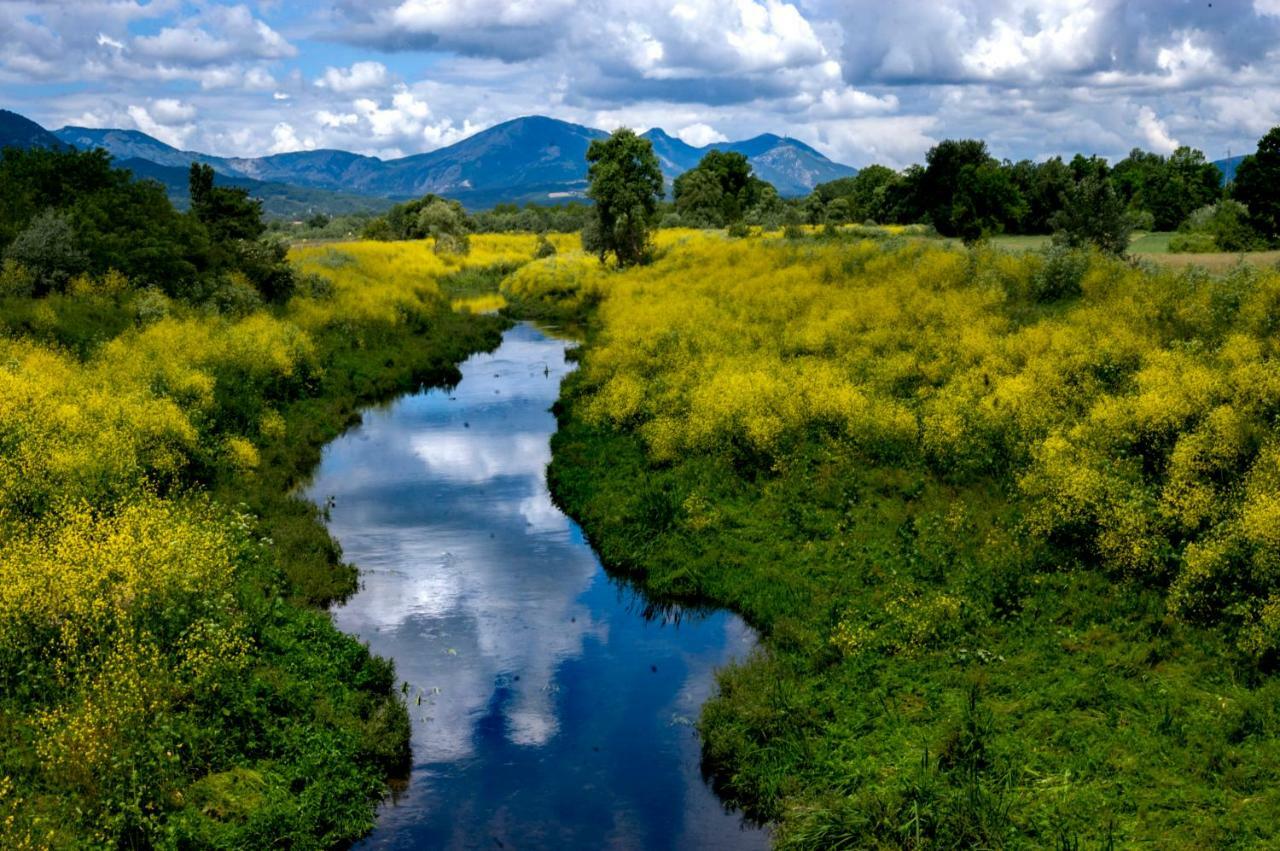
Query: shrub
[
  {"x": 49, "y": 249},
  {"x": 1061, "y": 274},
  {"x": 16, "y": 279},
  {"x": 1192, "y": 243}
]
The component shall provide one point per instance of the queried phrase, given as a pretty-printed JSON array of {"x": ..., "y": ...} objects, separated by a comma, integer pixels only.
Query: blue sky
[{"x": 863, "y": 80}]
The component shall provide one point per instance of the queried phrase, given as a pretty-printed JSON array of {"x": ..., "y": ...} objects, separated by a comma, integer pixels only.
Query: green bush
[{"x": 1061, "y": 275}]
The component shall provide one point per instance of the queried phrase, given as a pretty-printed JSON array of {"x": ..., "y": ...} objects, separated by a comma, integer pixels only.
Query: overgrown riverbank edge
[
  {"x": 1057, "y": 703},
  {"x": 270, "y": 725}
]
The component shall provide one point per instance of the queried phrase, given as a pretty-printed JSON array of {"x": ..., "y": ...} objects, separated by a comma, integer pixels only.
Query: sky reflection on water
[{"x": 552, "y": 713}]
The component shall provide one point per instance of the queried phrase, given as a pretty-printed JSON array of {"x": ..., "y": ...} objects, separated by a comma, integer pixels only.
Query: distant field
[{"x": 1155, "y": 247}]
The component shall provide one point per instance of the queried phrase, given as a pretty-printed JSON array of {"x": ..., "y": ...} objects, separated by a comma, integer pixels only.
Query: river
[{"x": 550, "y": 708}]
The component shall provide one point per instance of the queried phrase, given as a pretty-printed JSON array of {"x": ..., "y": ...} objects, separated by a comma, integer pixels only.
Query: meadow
[
  {"x": 1005, "y": 520},
  {"x": 170, "y": 678}
]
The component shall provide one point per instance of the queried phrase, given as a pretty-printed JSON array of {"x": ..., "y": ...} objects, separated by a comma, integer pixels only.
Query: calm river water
[{"x": 547, "y": 711}]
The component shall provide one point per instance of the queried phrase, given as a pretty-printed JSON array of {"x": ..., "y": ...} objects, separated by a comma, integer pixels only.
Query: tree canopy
[
  {"x": 626, "y": 185},
  {"x": 1257, "y": 186},
  {"x": 720, "y": 190}
]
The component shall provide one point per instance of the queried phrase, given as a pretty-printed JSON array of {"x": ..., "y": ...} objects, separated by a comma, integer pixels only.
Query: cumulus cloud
[
  {"x": 700, "y": 135},
  {"x": 1155, "y": 132},
  {"x": 361, "y": 76},
  {"x": 166, "y": 120},
  {"x": 284, "y": 139},
  {"x": 218, "y": 34}
]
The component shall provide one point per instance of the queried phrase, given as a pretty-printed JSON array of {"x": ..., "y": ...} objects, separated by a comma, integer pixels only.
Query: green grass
[{"x": 1065, "y": 710}]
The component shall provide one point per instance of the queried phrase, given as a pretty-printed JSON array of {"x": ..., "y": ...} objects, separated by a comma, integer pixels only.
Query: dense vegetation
[
  {"x": 167, "y": 676},
  {"x": 1007, "y": 524},
  {"x": 963, "y": 191}
]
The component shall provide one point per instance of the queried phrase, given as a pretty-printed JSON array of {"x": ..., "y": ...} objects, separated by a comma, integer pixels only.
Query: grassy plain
[{"x": 1006, "y": 524}]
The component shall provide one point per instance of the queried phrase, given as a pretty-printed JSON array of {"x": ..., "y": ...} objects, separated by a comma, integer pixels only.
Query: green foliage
[
  {"x": 533, "y": 218},
  {"x": 166, "y": 678},
  {"x": 1167, "y": 188},
  {"x": 545, "y": 248},
  {"x": 1062, "y": 275},
  {"x": 428, "y": 217},
  {"x": 720, "y": 191},
  {"x": 48, "y": 249},
  {"x": 1257, "y": 186},
  {"x": 625, "y": 184},
  {"x": 964, "y": 191},
  {"x": 868, "y": 193},
  {"x": 227, "y": 212},
  {"x": 1005, "y": 522},
  {"x": 1223, "y": 226},
  {"x": 1093, "y": 215},
  {"x": 984, "y": 199}
]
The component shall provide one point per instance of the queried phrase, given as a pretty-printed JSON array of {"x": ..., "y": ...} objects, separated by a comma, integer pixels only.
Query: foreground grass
[
  {"x": 986, "y": 511},
  {"x": 168, "y": 677}
]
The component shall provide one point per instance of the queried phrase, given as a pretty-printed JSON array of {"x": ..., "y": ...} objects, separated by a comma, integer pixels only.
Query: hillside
[
  {"x": 279, "y": 200},
  {"x": 17, "y": 131},
  {"x": 1228, "y": 167}
]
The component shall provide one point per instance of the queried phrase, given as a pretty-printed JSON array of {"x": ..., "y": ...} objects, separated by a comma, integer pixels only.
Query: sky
[{"x": 862, "y": 80}]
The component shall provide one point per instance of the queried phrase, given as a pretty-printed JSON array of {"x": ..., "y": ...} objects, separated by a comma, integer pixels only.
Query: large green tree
[
  {"x": 1093, "y": 214},
  {"x": 626, "y": 185},
  {"x": 720, "y": 190},
  {"x": 1257, "y": 186}
]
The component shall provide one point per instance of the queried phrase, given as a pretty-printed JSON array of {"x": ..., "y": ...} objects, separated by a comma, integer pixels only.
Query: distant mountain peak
[{"x": 18, "y": 131}]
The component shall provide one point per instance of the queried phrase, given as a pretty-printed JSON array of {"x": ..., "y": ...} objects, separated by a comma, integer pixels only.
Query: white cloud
[
  {"x": 335, "y": 119},
  {"x": 700, "y": 135},
  {"x": 171, "y": 134},
  {"x": 220, "y": 33},
  {"x": 1155, "y": 132},
  {"x": 171, "y": 111},
  {"x": 403, "y": 120},
  {"x": 359, "y": 77},
  {"x": 284, "y": 139},
  {"x": 105, "y": 40}
]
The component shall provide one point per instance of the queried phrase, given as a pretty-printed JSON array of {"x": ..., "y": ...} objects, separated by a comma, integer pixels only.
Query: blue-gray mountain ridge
[{"x": 534, "y": 158}]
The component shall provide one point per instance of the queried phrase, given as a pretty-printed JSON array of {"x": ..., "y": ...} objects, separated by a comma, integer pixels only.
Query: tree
[
  {"x": 446, "y": 223},
  {"x": 984, "y": 201},
  {"x": 227, "y": 211},
  {"x": 1257, "y": 186},
  {"x": 626, "y": 185},
  {"x": 1170, "y": 189},
  {"x": 937, "y": 188},
  {"x": 720, "y": 190},
  {"x": 1093, "y": 214},
  {"x": 49, "y": 248},
  {"x": 1042, "y": 186},
  {"x": 867, "y": 192},
  {"x": 699, "y": 199}
]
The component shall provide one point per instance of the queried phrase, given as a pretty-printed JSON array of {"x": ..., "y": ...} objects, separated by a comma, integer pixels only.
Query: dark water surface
[{"x": 547, "y": 711}]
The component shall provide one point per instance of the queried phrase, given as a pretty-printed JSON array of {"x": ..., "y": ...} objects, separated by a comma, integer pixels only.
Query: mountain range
[{"x": 534, "y": 158}]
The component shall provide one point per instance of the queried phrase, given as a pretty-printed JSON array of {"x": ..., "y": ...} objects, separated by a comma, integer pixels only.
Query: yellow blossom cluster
[{"x": 1136, "y": 422}]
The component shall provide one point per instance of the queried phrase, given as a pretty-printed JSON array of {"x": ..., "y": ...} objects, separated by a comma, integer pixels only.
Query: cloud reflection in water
[{"x": 552, "y": 713}]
